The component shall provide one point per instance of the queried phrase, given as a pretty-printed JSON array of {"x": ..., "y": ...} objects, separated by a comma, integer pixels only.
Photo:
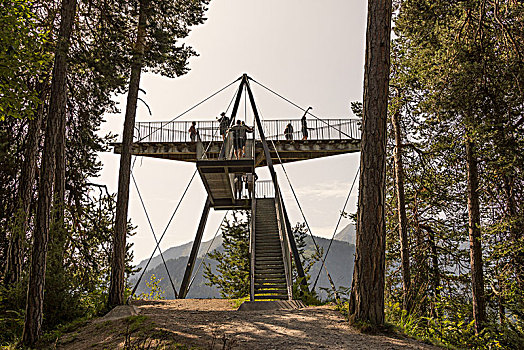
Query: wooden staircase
[{"x": 269, "y": 271}]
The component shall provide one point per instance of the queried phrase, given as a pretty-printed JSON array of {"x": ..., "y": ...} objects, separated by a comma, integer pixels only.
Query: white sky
[{"x": 310, "y": 51}]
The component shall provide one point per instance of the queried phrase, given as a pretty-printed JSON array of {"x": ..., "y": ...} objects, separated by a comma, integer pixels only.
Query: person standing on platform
[
  {"x": 237, "y": 142},
  {"x": 193, "y": 132},
  {"x": 305, "y": 133},
  {"x": 250, "y": 179},
  {"x": 288, "y": 132},
  {"x": 224, "y": 124},
  {"x": 243, "y": 137},
  {"x": 238, "y": 186}
]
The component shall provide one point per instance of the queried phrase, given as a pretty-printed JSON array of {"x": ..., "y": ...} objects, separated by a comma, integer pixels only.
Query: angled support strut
[{"x": 184, "y": 288}]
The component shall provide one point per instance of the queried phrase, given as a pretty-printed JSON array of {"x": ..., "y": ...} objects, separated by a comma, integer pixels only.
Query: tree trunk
[
  {"x": 57, "y": 103},
  {"x": 367, "y": 292},
  {"x": 475, "y": 248},
  {"x": 15, "y": 252},
  {"x": 402, "y": 218},
  {"x": 116, "y": 289}
]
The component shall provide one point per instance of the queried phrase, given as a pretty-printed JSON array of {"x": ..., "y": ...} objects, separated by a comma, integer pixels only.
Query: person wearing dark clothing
[
  {"x": 243, "y": 137},
  {"x": 224, "y": 124},
  {"x": 249, "y": 180},
  {"x": 238, "y": 186},
  {"x": 237, "y": 142},
  {"x": 193, "y": 132},
  {"x": 304, "y": 128},
  {"x": 288, "y": 132}
]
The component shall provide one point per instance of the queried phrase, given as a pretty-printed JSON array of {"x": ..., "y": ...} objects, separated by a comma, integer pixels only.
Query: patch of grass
[
  {"x": 235, "y": 303},
  {"x": 102, "y": 325},
  {"x": 372, "y": 329},
  {"x": 53, "y": 336},
  {"x": 134, "y": 323}
]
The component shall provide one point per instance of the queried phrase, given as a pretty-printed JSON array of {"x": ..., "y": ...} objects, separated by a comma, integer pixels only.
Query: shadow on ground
[{"x": 213, "y": 324}]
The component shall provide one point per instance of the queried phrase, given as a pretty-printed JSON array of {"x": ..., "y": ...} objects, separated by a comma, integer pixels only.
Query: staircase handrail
[
  {"x": 283, "y": 234},
  {"x": 252, "y": 250}
]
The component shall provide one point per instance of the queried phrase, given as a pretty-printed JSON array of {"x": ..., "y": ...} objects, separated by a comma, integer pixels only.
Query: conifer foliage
[
  {"x": 232, "y": 271},
  {"x": 62, "y": 62},
  {"x": 458, "y": 78}
]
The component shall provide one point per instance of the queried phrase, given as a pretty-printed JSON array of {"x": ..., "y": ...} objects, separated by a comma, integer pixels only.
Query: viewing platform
[{"x": 171, "y": 140}]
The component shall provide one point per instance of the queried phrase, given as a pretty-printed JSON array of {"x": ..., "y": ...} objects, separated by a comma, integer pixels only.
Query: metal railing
[
  {"x": 264, "y": 189},
  {"x": 315, "y": 129},
  {"x": 178, "y": 131},
  {"x": 284, "y": 242}
]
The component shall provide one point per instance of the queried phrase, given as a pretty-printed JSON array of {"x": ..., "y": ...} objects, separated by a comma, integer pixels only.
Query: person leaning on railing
[
  {"x": 193, "y": 132},
  {"x": 243, "y": 137}
]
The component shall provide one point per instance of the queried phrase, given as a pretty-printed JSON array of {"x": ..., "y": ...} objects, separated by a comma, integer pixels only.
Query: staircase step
[
  {"x": 266, "y": 254},
  {"x": 267, "y": 243},
  {"x": 274, "y": 280},
  {"x": 272, "y": 291},
  {"x": 261, "y": 257},
  {"x": 263, "y": 235},
  {"x": 269, "y": 260},
  {"x": 277, "y": 282},
  {"x": 265, "y": 297},
  {"x": 269, "y": 286},
  {"x": 259, "y": 276},
  {"x": 275, "y": 266},
  {"x": 266, "y": 268}
]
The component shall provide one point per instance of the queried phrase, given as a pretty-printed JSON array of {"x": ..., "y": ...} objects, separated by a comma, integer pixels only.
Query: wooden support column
[{"x": 184, "y": 288}]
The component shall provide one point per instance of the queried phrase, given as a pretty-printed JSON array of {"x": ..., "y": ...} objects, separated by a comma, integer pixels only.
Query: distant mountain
[
  {"x": 339, "y": 263},
  {"x": 180, "y": 251},
  {"x": 347, "y": 234}
]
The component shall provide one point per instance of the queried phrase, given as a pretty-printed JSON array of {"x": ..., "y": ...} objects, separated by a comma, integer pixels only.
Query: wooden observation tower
[{"x": 272, "y": 245}]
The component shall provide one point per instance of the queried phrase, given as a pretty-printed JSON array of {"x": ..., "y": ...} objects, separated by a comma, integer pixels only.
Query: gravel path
[{"x": 208, "y": 323}]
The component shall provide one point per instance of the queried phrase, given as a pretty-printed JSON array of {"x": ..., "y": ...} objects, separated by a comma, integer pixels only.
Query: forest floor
[{"x": 215, "y": 324}]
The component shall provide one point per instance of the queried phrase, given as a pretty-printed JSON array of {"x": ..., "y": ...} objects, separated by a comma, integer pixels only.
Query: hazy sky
[{"x": 310, "y": 51}]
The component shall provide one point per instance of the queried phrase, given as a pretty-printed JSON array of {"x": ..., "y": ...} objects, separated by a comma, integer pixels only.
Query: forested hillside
[{"x": 339, "y": 263}]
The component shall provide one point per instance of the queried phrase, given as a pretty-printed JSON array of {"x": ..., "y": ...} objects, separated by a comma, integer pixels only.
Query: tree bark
[
  {"x": 367, "y": 292},
  {"x": 57, "y": 103},
  {"x": 402, "y": 218},
  {"x": 15, "y": 252},
  {"x": 117, "y": 285},
  {"x": 475, "y": 248}
]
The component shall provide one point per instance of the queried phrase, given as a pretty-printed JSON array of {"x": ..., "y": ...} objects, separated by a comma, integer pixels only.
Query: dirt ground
[{"x": 215, "y": 324}]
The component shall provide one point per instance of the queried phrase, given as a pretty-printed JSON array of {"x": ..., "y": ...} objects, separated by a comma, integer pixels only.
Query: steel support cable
[
  {"x": 174, "y": 212},
  {"x": 154, "y": 235},
  {"x": 207, "y": 251},
  {"x": 308, "y": 227},
  {"x": 303, "y": 216},
  {"x": 162, "y": 236},
  {"x": 336, "y": 228},
  {"x": 302, "y": 109},
  {"x": 190, "y": 109}
]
